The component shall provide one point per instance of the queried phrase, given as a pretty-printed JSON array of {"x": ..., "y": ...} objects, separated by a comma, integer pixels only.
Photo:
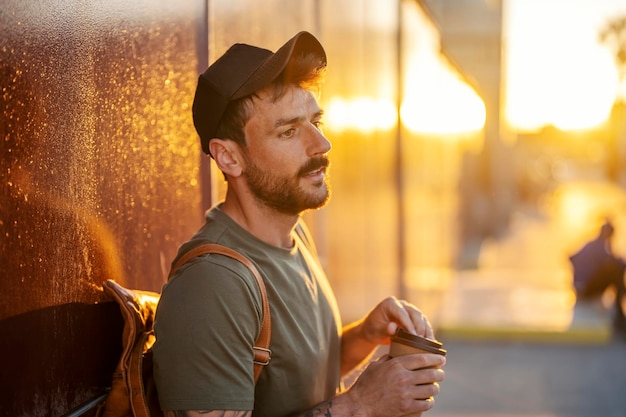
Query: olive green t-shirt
[{"x": 209, "y": 317}]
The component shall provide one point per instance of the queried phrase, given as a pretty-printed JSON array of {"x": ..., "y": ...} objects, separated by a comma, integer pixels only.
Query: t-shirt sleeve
[{"x": 206, "y": 324}]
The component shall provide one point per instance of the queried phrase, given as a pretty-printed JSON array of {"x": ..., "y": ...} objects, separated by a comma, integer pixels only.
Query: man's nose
[{"x": 319, "y": 143}]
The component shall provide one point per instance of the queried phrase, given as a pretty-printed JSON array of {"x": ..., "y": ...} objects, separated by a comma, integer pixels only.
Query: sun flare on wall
[
  {"x": 363, "y": 114},
  {"x": 436, "y": 102},
  {"x": 452, "y": 108},
  {"x": 436, "y": 99}
]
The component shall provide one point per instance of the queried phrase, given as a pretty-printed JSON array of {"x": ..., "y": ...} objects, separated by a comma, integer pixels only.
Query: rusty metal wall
[{"x": 99, "y": 179}]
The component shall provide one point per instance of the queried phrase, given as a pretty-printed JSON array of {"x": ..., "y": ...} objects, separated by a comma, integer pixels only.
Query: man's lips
[
  {"x": 317, "y": 171},
  {"x": 315, "y": 167},
  {"x": 316, "y": 174}
]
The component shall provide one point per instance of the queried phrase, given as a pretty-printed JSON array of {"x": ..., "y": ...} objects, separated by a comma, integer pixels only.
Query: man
[
  {"x": 258, "y": 118},
  {"x": 596, "y": 268}
]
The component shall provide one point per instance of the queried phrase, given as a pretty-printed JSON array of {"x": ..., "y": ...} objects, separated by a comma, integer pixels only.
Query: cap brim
[{"x": 302, "y": 43}]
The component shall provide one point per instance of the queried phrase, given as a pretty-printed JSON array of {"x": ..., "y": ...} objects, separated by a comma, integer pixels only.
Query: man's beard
[{"x": 285, "y": 193}]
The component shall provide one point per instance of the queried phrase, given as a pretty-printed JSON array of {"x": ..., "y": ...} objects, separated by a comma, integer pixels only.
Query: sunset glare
[
  {"x": 442, "y": 104},
  {"x": 557, "y": 71}
]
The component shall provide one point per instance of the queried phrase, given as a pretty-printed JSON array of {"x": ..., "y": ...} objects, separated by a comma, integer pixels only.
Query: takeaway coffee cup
[{"x": 405, "y": 343}]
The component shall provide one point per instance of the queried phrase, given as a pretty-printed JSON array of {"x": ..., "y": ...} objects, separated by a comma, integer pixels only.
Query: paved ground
[{"x": 515, "y": 379}]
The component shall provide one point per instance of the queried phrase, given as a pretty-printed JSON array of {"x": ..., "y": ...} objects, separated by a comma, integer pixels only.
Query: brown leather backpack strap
[
  {"x": 135, "y": 377},
  {"x": 262, "y": 353}
]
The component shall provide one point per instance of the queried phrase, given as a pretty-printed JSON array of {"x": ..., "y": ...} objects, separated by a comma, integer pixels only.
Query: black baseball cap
[{"x": 242, "y": 70}]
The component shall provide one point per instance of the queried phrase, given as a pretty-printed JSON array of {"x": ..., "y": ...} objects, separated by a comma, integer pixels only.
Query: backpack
[{"x": 133, "y": 390}]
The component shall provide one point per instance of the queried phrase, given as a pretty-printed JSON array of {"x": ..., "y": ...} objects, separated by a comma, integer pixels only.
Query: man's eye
[
  {"x": 318, "y": 124},
  {"x": 288, "y": 133}
]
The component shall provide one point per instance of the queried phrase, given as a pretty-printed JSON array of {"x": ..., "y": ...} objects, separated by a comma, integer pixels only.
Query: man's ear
[{"x": 227, "y": 156}]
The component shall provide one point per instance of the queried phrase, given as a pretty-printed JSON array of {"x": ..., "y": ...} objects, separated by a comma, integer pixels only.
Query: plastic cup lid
[{"x": 423, "y": 343}]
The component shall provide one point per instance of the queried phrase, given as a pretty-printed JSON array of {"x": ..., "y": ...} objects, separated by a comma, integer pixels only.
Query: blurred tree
[{"x": 613, "y": 35}]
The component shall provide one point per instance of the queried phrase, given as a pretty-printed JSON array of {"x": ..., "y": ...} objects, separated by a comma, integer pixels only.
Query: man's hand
[
  {"x": 376, "y": 328},
  {"x": 383, "y": 321},
  {"x": 398, "y": 386}
]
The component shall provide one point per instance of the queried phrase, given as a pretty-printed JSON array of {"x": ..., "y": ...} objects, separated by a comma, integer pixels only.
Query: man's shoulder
[
  {"x": 218, "y": 229},
  {"x": 209, "y": 278},
  {"x": 214, "y": 265}
]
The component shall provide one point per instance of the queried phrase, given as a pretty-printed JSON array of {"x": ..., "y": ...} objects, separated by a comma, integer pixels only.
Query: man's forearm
[
  {"x": 323, "y": 409},
  {"x": 355, "y": 348},
  {"x": 208, "y": 413}
]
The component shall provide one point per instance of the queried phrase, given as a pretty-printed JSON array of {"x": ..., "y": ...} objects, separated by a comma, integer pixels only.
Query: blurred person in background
[{"x": 597, "y": 268}]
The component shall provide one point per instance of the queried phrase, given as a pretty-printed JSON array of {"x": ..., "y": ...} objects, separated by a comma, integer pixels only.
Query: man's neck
[{"x": 261, "y": 221}]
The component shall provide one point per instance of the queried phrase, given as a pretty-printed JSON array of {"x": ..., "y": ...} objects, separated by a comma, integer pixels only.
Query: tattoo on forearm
[
  {"x": 216, "y": 413},
  {"x": 322, "y": 409}
]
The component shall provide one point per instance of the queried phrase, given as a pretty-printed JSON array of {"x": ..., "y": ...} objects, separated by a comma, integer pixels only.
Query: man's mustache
[{"x": 314, "y": 164}]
